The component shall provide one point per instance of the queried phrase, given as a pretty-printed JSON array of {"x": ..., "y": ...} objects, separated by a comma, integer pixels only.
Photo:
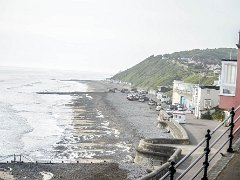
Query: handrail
[
  {"x": 215, "y": 129},
  {"x": 237, "y": 108},
  {"x": 5, "y": 157},
  {"x": 236, "y": 129},
  {"x": 218, "y": 148},
  {"x": 207, "y": 149},
  {"x": 199, "y": 144},
  {"x": 190, "y": 153},
  {"x": 236, "y": 119},
  {"x": 189, "y": 167},
  {"x": 195, "y": 175},
  {"x": 184, "y": 158},
  {"x": 216, "y": 140}
]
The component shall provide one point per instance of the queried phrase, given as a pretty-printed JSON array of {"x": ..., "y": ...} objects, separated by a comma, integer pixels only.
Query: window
[
  {"x": 208, "y": 91},
  {"x": 228, "y": 78},
  {"x": 196, "y": 91},
  {"x": 207, "y": 103}
]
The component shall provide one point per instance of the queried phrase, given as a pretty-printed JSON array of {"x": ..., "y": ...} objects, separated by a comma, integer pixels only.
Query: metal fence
[{"x": 173, "y": 167}]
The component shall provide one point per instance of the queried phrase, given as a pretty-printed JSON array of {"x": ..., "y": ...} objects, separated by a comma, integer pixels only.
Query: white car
[
  {"x": 158, "y": 108},
  {"x": 169, "y": 111}
]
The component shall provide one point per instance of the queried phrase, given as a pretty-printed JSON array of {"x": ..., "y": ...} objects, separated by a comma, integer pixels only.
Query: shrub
[
  {"x": 206, "y": 115},
  {"x": 218, "y": 114}
]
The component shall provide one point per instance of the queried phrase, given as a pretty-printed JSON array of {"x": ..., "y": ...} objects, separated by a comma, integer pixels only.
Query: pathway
[{"x": 196, "y": 130}]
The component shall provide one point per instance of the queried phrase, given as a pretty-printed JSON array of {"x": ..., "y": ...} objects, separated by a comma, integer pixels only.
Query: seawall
[{"x": 156, "y": 153}]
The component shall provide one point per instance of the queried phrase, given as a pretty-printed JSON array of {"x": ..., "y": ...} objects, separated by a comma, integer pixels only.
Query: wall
[
  {"x": 175, "y": 96},
  {"x": 227, "y": 102},
  {"x": 157, "y": 151},
  {"x": 213, "y": 95}
]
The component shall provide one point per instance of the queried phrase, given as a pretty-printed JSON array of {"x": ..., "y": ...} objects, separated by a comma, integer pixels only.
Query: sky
[{"x": 110, "y": 35}]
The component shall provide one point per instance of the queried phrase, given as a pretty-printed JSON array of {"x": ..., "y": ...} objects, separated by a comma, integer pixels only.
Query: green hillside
[
  {"x": 161, "y": 70},
  {"x": 207, "y": 56}
]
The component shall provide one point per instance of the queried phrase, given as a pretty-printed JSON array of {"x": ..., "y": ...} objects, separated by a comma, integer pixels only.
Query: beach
[{"x": 105, "y": 130}]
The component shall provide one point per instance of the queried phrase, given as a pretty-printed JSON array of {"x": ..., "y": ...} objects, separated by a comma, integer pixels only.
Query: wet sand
[{"x": 118, "y": 125}]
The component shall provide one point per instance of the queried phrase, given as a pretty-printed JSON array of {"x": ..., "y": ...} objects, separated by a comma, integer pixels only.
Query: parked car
[
  {"x": 112, "y": 90},
  {"x": 152, "y": 103},
  {"x": 143, "y": 92},
  {"x": 141, "y": 99},
  {"x": 136, "y": 97},
  {"x": 134, "y": 89},
  {"x": 169, "y": 111},
  {"x": 130, "y": 97},
  {"x": 124, "y": 90},
  {"x": 144, "y": 97},
  {"x": 170, "y": 115},
  {"x": 158, "y": 108}
]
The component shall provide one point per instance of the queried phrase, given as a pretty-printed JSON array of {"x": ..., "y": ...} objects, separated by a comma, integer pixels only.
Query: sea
[{"x": 40, "y": 127}]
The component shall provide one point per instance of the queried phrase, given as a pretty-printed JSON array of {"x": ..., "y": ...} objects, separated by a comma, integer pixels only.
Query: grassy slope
[{"x": 155, "y": 71}]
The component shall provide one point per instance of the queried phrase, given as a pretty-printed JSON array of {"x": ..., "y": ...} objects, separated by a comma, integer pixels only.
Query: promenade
[
  {"x": 228, "y": 166},
  {"x": 224, "y": 166},
  {"x": 196, "y": 130}
]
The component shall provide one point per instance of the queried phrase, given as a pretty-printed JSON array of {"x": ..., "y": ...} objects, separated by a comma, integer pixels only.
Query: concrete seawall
[
  {"x": 177, "y": 131},
  {"x": 156, "y": 153}
]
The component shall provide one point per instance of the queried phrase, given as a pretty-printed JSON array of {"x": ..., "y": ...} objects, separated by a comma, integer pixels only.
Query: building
[
  {"x": 229, "y": 88},
  {"x": 162, "y": 97},
  {"x": 182, "y": 94},
  {"x": 204, "y": 99},
  {"x": 228, "y": 84}
]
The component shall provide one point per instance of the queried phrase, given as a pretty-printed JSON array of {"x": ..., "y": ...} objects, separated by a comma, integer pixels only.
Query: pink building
[{"x": 230, "y": 84}]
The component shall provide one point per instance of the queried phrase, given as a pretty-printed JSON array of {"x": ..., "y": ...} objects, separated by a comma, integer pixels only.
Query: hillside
[
  {"x": 191, "y": 66},
  {"x": 206, "y": 56}
]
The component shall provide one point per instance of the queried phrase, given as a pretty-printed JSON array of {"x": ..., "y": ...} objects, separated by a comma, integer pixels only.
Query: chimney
[{"x": 238, "y": 45}]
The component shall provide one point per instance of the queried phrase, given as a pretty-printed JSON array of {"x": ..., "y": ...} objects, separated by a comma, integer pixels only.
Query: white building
[
  {"x": 182, "y": 94},
  {"x": 205, "y": 98},
  {"x": 228, "y": 79},
  {"x": 162, "y": 97}
]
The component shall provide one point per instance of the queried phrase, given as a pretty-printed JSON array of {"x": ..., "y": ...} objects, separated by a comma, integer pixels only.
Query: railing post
[
  {"x": 172, "y": 170},
  {"x": 230, "y": 149},
  {"x": 207, "y": 151}
]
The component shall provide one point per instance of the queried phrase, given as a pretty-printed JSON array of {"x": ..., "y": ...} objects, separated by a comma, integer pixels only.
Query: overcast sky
[{"x": 110, "y": 35}]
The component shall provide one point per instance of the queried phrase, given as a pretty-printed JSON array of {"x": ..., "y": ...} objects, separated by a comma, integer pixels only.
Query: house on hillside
[
  {"x": 229, "y": 88},
  {"x": 210, "y": 67},
  {"x": 217, "y": 69},
  {"x": 204, "y": 99},
  {"x": 182, "y": 94}
]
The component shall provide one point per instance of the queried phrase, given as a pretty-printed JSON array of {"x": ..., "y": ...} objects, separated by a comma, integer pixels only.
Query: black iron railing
[{"x": 171, "y": 174}]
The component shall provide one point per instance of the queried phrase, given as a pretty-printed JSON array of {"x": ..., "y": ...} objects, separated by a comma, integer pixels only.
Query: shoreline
[{"x": 134, "y": 121}]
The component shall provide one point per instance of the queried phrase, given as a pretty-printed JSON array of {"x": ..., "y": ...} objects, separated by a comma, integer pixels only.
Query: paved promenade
[
  {"x": 223, "y": 167},
  {"x": 196, "y": 130},
  {"x": 228, "y": 167}
]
